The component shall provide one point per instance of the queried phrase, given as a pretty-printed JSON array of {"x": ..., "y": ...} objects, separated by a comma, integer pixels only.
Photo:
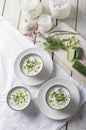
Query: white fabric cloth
[{"x": 11, "y": 44}]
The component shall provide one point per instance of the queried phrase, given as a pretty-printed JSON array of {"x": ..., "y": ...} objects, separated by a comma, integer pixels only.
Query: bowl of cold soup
[
  {"x": 58, "y": 97},
  {"x": 31, "y": 65},
  {"x": 18, "y": 98}
]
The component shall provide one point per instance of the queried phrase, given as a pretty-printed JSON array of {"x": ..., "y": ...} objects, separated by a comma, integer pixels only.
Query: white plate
[
  {"x": 43, "y": 75},
  {"x": 58, "y": 114}
]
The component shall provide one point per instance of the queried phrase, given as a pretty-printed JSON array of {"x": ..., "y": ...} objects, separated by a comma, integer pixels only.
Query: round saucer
[
  {"x": 58, "y": 114},
  {"x": 43, "y": 75}
]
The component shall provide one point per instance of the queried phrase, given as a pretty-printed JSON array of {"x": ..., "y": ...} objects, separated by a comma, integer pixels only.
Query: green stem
[{"x": 61, "y": 32}]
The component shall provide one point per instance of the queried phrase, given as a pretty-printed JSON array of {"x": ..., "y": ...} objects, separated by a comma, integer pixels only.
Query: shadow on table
[{"x": 32, "y": 110}]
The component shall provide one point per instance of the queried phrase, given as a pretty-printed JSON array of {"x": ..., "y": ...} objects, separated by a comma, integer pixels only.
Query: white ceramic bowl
[
  {"x": 58, "y": 97},
  {"x": 31, "y": 65},
  {"x": 18, "y": 98}
]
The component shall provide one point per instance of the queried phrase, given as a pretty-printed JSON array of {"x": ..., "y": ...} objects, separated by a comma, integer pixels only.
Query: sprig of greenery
[{"x": 54, "y": 44}]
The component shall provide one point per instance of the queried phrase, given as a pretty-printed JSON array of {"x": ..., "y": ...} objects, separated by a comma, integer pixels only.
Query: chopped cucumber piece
[
  {"x": 79, "y": 52},
  {"x": 80, "y": 67},
  {"x": 71, "y": 54},
  {"x": 75, "y": 50}
]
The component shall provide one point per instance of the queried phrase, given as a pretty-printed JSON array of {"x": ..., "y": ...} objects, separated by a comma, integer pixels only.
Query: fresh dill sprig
[{"x": 54, "y": 44}]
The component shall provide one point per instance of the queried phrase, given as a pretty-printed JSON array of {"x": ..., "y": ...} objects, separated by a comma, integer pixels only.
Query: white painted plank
[
  {"x": 81, "y": 18},
  {"x": 1, "y": 6},
  {"x": 78, "y": 122},
  {"x": 12, "y": 12},
  {"x": 71, "y": 20}
]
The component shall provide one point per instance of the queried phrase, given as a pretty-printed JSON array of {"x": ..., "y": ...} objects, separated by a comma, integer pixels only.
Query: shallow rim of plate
[
  {"x": 55, "y": 87},
  {"x": 40, "y": 69},
  {"x": 59, "y": 114},
  {"x": 13, "y": 89}
]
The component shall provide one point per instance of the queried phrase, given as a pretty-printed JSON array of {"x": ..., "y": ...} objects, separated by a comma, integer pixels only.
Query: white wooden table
[{"x": 10, "y": 10}]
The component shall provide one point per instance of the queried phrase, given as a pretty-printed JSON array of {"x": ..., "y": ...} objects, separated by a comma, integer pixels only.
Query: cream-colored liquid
[
  {"x": 58, "y": 105},
  {"x": 36, "y": 69},
  {"x": 22, "y": 104},
  {"x": 60, "y": 9}
]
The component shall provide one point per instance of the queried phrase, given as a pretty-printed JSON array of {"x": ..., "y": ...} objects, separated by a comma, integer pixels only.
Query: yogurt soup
[
  {"x": 58, "y": 97},
  {"x": 18, "y": 98},
  {"x": 32, "y": 65}
]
